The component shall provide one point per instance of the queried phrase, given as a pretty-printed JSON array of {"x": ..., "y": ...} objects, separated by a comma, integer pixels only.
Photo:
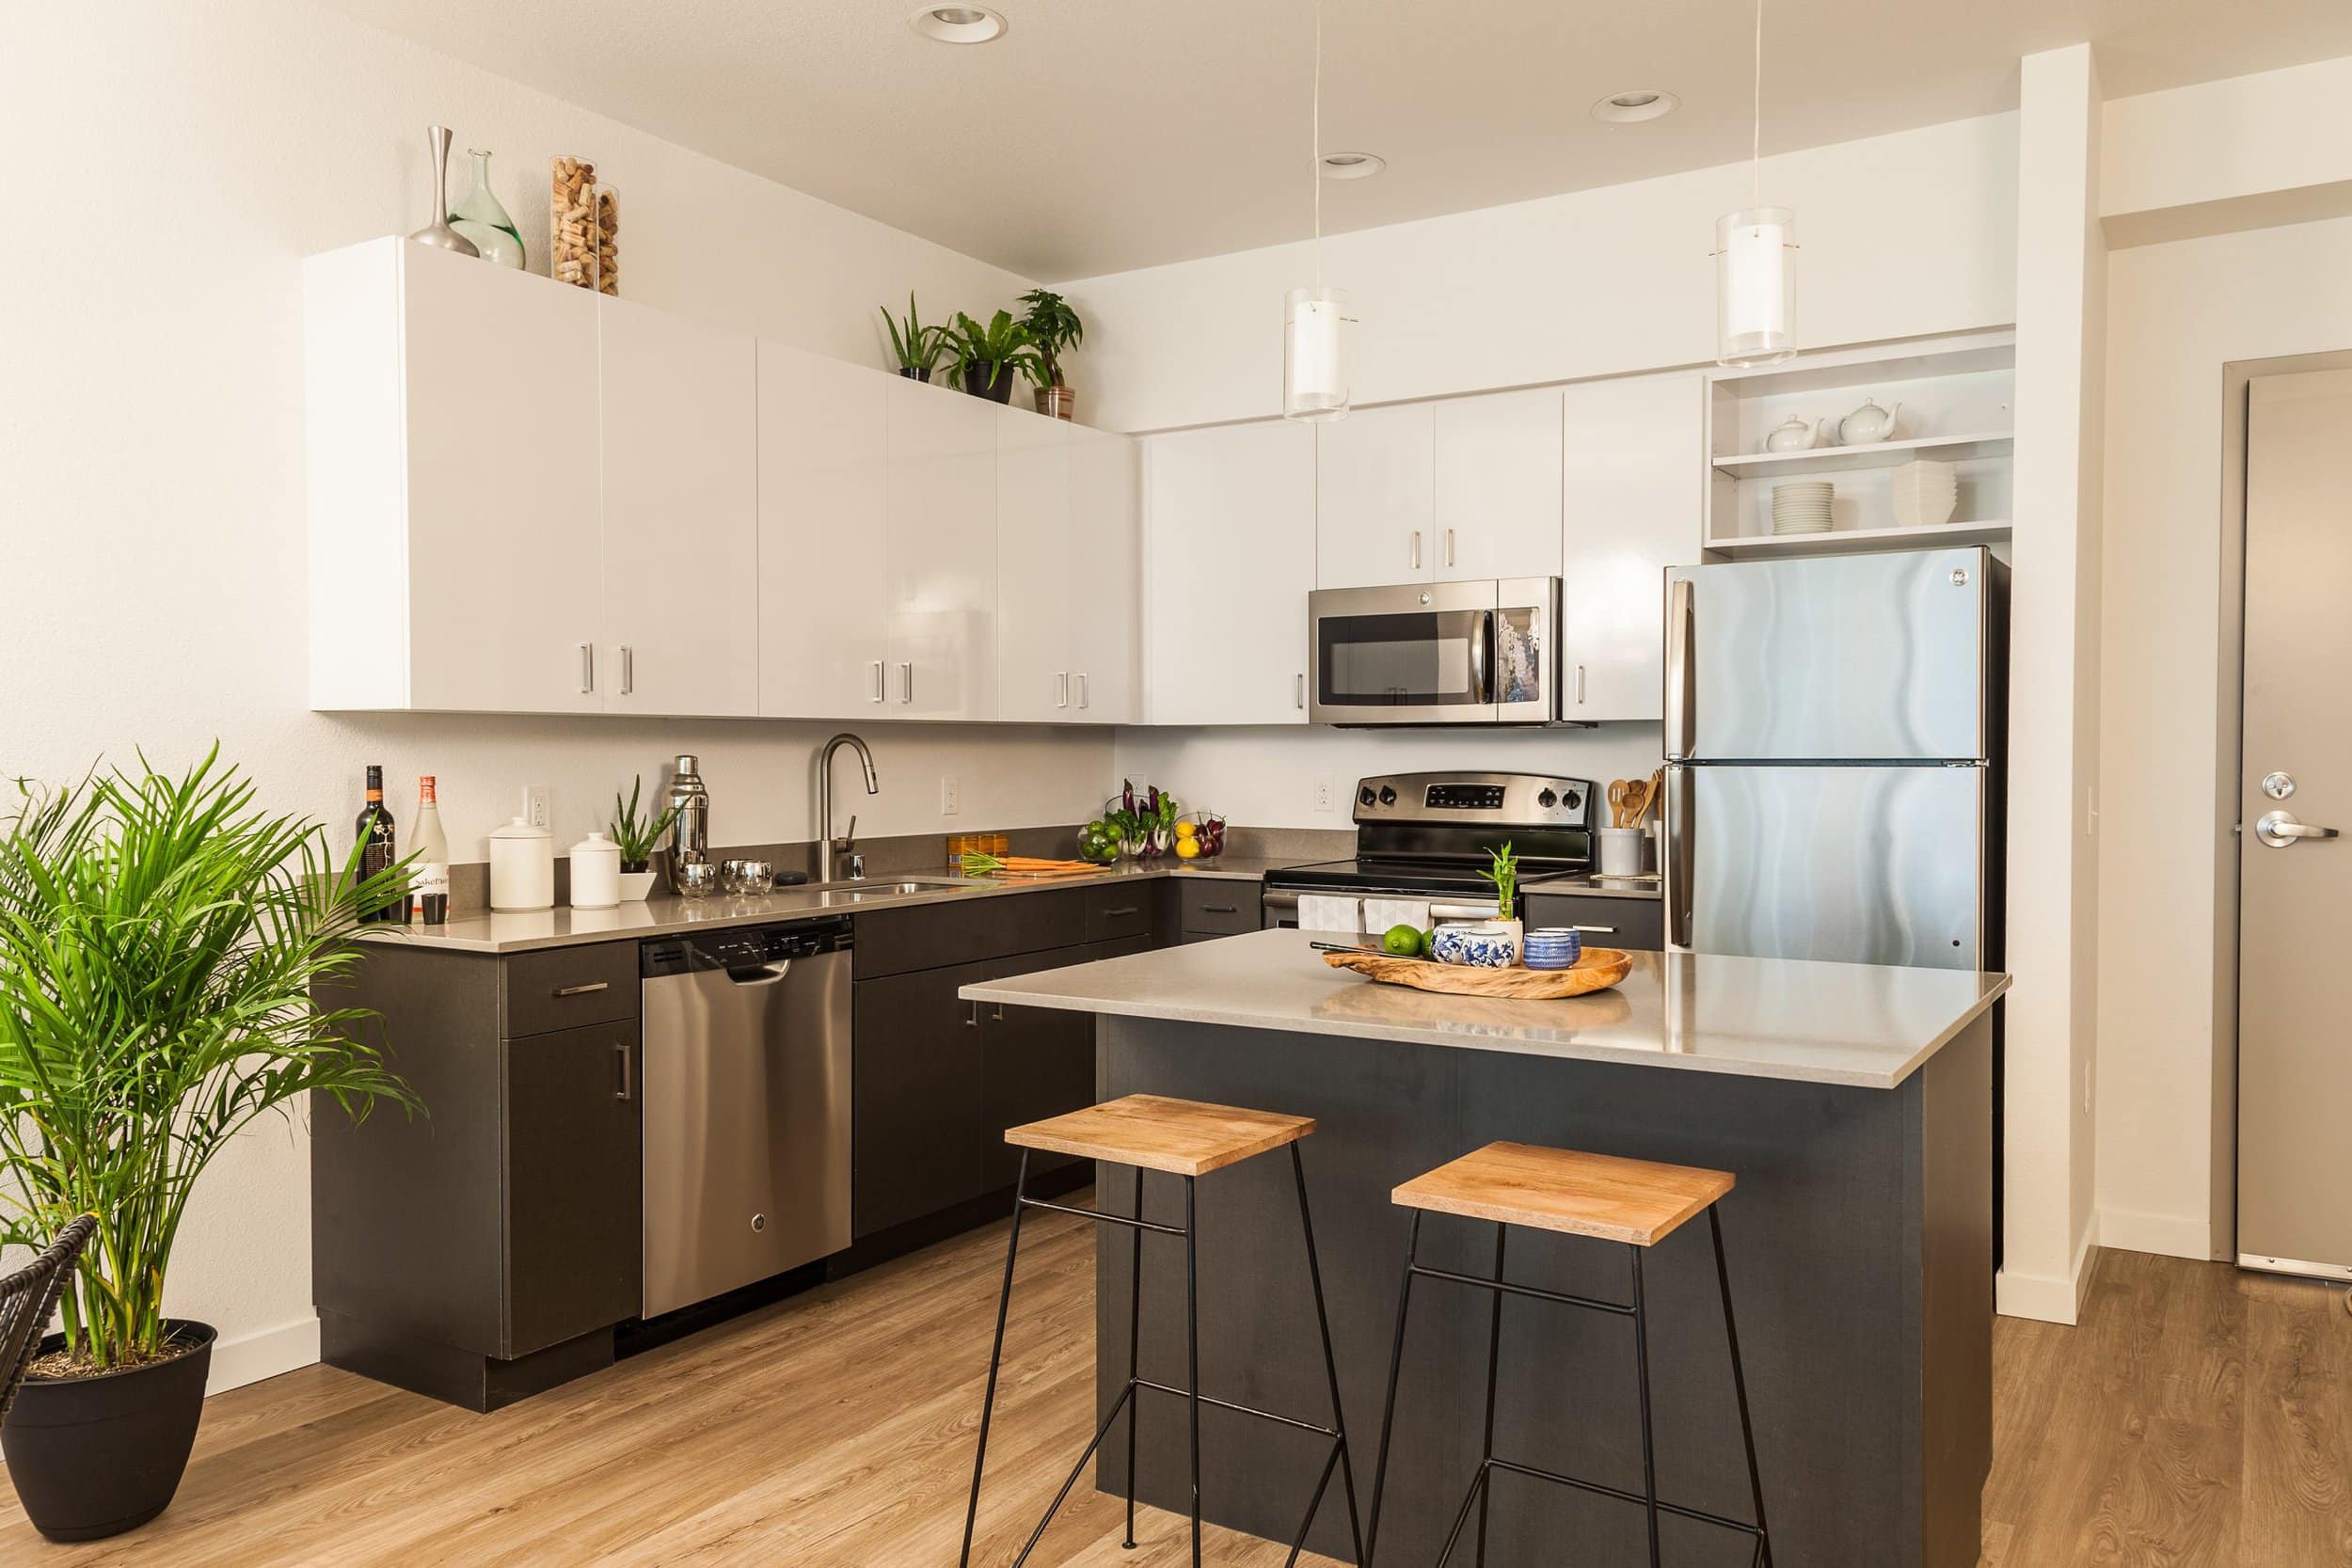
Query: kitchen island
[{"x": 1853, "y": 1102}]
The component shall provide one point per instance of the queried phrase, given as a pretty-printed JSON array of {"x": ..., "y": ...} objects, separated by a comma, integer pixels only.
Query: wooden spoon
[
  {"x": 1620, "y": 795},
  {"x": 1649, "y": 799}
]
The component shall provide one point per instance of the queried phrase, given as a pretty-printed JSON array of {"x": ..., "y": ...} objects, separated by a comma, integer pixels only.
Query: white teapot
[
  {"x": 1791, "y": 434},
  {"x": 1867, "y": 424}
]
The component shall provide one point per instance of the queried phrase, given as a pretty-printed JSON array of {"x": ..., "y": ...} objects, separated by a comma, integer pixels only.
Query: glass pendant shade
[
  {"x": 1315, "y": 354},
  {"x": 1756, "y": 286}
]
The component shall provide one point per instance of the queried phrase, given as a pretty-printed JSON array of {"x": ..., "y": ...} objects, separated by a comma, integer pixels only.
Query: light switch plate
[{"x": 948, "y": 794}]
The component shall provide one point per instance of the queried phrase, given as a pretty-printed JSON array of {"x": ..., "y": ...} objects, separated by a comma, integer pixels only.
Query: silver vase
[{"x": 438, "y": 234}]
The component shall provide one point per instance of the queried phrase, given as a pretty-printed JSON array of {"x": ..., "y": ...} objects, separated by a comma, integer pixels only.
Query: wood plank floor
[{"x": 2198, "y": 1418}]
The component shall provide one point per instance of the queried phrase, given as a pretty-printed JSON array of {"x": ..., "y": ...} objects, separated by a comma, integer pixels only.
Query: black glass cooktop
[{"x": 1416, "y": 876}]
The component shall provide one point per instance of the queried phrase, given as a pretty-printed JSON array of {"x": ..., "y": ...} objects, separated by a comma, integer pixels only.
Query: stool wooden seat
[
  {"x": 1184, "y": 1138},
  {"x": 1635, "y": 1201}
]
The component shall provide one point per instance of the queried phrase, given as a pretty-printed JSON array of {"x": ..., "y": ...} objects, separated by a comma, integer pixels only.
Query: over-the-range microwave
[{"x": 1435, "y": 653}]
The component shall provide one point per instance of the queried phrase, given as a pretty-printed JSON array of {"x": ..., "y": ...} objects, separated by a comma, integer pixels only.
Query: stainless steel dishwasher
[{"x": 746, "y": 1107}]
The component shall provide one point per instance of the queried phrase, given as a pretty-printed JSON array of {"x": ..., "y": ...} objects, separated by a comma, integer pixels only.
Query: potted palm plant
[
  {"x": 987, "y": 358},
  {"x": 639, "y": 838},
  {"x": 1055, "y": 328},
  {"x": 159, "y": 940},
  {"x": 917, "y": 346}
]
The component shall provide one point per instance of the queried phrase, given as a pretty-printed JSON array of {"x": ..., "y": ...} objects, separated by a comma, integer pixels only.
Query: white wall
[
  {"x": 2214, "y": 157},
  {"x": 178, "y": 162},
  {"x": 2052, "y": 938},
  {"x": 2178, "y": 313},
  {"x": 1266, "y": 777},
  {"x": 1903, "y": 235}
]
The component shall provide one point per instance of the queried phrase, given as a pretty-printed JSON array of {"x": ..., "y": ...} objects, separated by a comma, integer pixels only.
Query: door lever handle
[{"x": 2279, "y": 830}]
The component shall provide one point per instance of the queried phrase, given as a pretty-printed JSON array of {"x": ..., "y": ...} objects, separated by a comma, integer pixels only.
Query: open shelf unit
[{"x": 1953, "y": 400}]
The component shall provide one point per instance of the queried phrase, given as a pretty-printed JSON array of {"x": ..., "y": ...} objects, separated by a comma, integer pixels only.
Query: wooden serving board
[{"x": 1598, "y": 970}]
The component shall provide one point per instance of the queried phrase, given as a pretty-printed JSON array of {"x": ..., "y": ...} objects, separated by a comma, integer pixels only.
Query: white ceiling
[{"x": 1101, "y": 134}]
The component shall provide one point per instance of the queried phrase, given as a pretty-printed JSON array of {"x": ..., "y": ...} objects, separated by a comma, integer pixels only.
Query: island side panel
[
  {"x": 1826, "y": 1274},
  {"x": 1954, "y": 1170}
]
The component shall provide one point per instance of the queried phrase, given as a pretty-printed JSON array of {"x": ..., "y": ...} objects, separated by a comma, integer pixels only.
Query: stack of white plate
[
  {"x": 1925, "y": 494},
  {"x": 1803, "y": 507}
]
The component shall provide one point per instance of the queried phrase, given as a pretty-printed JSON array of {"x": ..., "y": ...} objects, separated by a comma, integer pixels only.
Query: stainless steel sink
[{"x": 892, "y": 886}]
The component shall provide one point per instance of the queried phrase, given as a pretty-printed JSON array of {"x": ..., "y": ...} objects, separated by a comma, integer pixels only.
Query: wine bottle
[
  {"x": 431, "y": 902},
  {"x": 377, "y": 855}
]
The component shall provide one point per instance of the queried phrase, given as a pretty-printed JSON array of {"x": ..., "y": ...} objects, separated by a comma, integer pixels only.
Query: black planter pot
[
  {"x": 914, "y": 373},
  {"x": 95, "y": 1456},
  {"x": 977, "y": 383}
]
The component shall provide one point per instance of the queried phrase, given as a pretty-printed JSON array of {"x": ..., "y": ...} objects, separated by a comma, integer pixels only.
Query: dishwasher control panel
[{"x": 743, "y": 947}]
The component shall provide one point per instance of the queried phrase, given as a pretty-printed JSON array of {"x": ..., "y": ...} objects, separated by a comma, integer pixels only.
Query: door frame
[{"x": 2230, "y": 770}]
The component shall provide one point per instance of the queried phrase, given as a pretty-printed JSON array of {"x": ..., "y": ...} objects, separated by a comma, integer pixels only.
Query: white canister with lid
[
  {"x": 596, "y": 873},
  {"x": 522, "y": 867}
]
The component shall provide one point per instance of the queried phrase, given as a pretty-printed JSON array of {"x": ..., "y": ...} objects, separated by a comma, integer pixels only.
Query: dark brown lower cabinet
[
  {"x": 1035, "y": 1062},
  {"x": 573, "y": 1197},
  {"x": 1634, "y": 924}
]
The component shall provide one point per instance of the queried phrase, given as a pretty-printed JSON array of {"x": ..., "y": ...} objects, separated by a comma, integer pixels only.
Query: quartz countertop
[
  {"x": 1859, "y": 1025},
  {"x": 524, "y": 930}
]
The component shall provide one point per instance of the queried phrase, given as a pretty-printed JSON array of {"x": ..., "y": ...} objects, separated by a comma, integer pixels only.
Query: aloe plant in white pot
[{"x": 160, "y": 938}]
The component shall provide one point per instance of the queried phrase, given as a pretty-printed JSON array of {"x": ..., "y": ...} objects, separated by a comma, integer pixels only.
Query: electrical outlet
[
  {"x": 539, "y": 805},
  {"x": 948, "y": 794},
  {"x": 1327, "y": 791}
]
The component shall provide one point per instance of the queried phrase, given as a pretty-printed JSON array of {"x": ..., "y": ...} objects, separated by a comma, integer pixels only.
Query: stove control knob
[
  {"x": 1574, "y": 801},
  {"x": 1388, "y": 796},
  {"x": 1547, "y": 799},
  {"x": 1364, "y": 796}
]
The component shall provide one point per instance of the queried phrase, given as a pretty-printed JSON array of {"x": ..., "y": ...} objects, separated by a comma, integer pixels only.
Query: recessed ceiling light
[
  {"x": 1352, "y": 166},
  {"x": 1631, "y": 108},
  {"x": 958, "y": 24}
]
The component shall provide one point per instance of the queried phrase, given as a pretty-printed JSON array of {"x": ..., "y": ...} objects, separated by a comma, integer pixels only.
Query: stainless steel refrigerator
[{"x": 1833, "y": 737}]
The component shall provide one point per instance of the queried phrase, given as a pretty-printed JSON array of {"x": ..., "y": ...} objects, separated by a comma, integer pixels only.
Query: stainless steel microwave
[{"x": 1435, "y": 653}]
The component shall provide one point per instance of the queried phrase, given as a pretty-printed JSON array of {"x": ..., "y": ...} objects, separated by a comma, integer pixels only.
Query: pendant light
[
  {"x": 1755, "y": 275},
  {"x": 1315, "y": 321}
]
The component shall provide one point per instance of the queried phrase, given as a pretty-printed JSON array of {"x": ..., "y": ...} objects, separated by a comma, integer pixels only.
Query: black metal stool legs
[
  {"x": 995, "y": 1359},
  {"x": 1494, "y": 1360},
  {"x": 1192, "y": 1357},
  {"x": 1388, "y": 1403},
  {"x": 1341, "y": 1457},
  {"x": 1740, "y": 1386},
  {"x": 1135, "y": 1341},
  {"x": 1641, "y": 1363}
]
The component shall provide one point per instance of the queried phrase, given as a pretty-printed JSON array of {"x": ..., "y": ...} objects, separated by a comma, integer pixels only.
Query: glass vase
[{"x": 481, "y": 219}]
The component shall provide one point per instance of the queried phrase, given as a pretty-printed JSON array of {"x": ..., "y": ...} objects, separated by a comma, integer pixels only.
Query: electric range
[{"x": 1429, "y": 836}]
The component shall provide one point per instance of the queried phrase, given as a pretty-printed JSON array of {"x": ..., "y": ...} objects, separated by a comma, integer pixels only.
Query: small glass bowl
[
  {"x": 748, "y": 878},
  {"x": 698, "y": 880}
]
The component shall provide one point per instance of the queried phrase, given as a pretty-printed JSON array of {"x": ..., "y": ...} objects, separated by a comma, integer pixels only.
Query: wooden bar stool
[
  {"x": 1185, "y": 1138},
  {"x": 1633, "y": 1201}
]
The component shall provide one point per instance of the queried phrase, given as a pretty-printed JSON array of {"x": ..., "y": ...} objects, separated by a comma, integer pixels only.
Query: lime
[{"x": 1403, "y": 941}]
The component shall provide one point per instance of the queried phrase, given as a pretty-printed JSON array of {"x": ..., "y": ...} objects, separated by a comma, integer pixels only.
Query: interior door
[
  {"x": 1859, "y": 658},
  {"x": 680, "y": 464},
  {"x": 824, "y": 630},
  {"x": 1879, "y": 866},
  {"x": 1498, "y": 487},
  {"x": 2295, "y": 913},
  {"x": 1374, "y": 498}
]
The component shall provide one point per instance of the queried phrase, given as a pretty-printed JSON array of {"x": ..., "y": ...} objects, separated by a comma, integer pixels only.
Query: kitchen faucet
[{"x": 828, "y": 847}]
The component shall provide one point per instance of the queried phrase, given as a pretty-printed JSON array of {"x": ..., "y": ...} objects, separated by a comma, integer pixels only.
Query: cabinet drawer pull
[
  {"x": 879, "y": 693},
  {"x": 1595, "y": 930},
  {"x": 1085, "y": 698},
  {"x": 620, "y": 1054},
  {"x": 1061, "y": 688},
  {"x": 629, "y": 670},
  {"x": 1122, "y": 912},
  {"x": 972, "y": 1015},
  {"x": 1416, "y": 549},
  {"x": 1302, "y": 689},
  {"x": 1220, "y": 909},
  {"x": 1449, "y": 547},
  {"x": 587, "y": 667},
  {"x": 906, "y": 680},
  {"x": 589, "y": 988},
  {"x": 1580, "y": 686}
]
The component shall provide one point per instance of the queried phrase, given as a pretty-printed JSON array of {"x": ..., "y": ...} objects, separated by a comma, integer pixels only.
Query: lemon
[
  {"x": 1187, "y": 830},
  {"x": 1187, "y": 848}
]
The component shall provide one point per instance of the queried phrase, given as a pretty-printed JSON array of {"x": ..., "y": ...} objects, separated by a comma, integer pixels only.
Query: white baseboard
[
  {"x": 2042, "y": 1298},
  {"x": 2165, "y": 1235},
  {"x": 264, "y": 1353}
]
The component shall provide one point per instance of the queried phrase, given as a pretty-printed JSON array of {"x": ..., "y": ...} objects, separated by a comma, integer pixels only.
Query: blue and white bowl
[
  {"x": 1486, "y": 945},
  {"x": 1554, "y": 947}
]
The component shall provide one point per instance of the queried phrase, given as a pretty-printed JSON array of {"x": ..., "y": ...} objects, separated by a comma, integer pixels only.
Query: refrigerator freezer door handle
[
  {"x": 1675, "y": 855},
  {"x": 1680, "y": 673}
]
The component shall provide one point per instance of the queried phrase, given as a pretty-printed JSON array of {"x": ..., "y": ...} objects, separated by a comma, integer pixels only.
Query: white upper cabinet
[
  {"x": 1035, "y": 602},
  {"x": 1228, "y": 558},
  {"x": 1104, "y": 567},
  {"x": 824, "y": 610},
  {"x": 1374, "y": 498},
  {"x": 1497, "y": 487},
  {"x": 451, "y": 433},
  {"x": 681, "y": 514},
  {"x": 942, "y": 574},
  {"x": 1631, "y": 493}
]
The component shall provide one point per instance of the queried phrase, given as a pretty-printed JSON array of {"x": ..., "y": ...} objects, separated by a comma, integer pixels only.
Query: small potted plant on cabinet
[
  {"x": 917, "y": 346},
  {"x": 162, "y": 941},
  {"x": 639, "y": 840},
  {"x": 1055, "y": 328},
  {"x": 1504, "y": 874},
  {"x": 987, "y": 358}
]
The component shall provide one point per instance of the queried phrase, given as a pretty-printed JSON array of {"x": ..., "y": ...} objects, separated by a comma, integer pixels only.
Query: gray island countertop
[{"x": 1860, "y": 1025}]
